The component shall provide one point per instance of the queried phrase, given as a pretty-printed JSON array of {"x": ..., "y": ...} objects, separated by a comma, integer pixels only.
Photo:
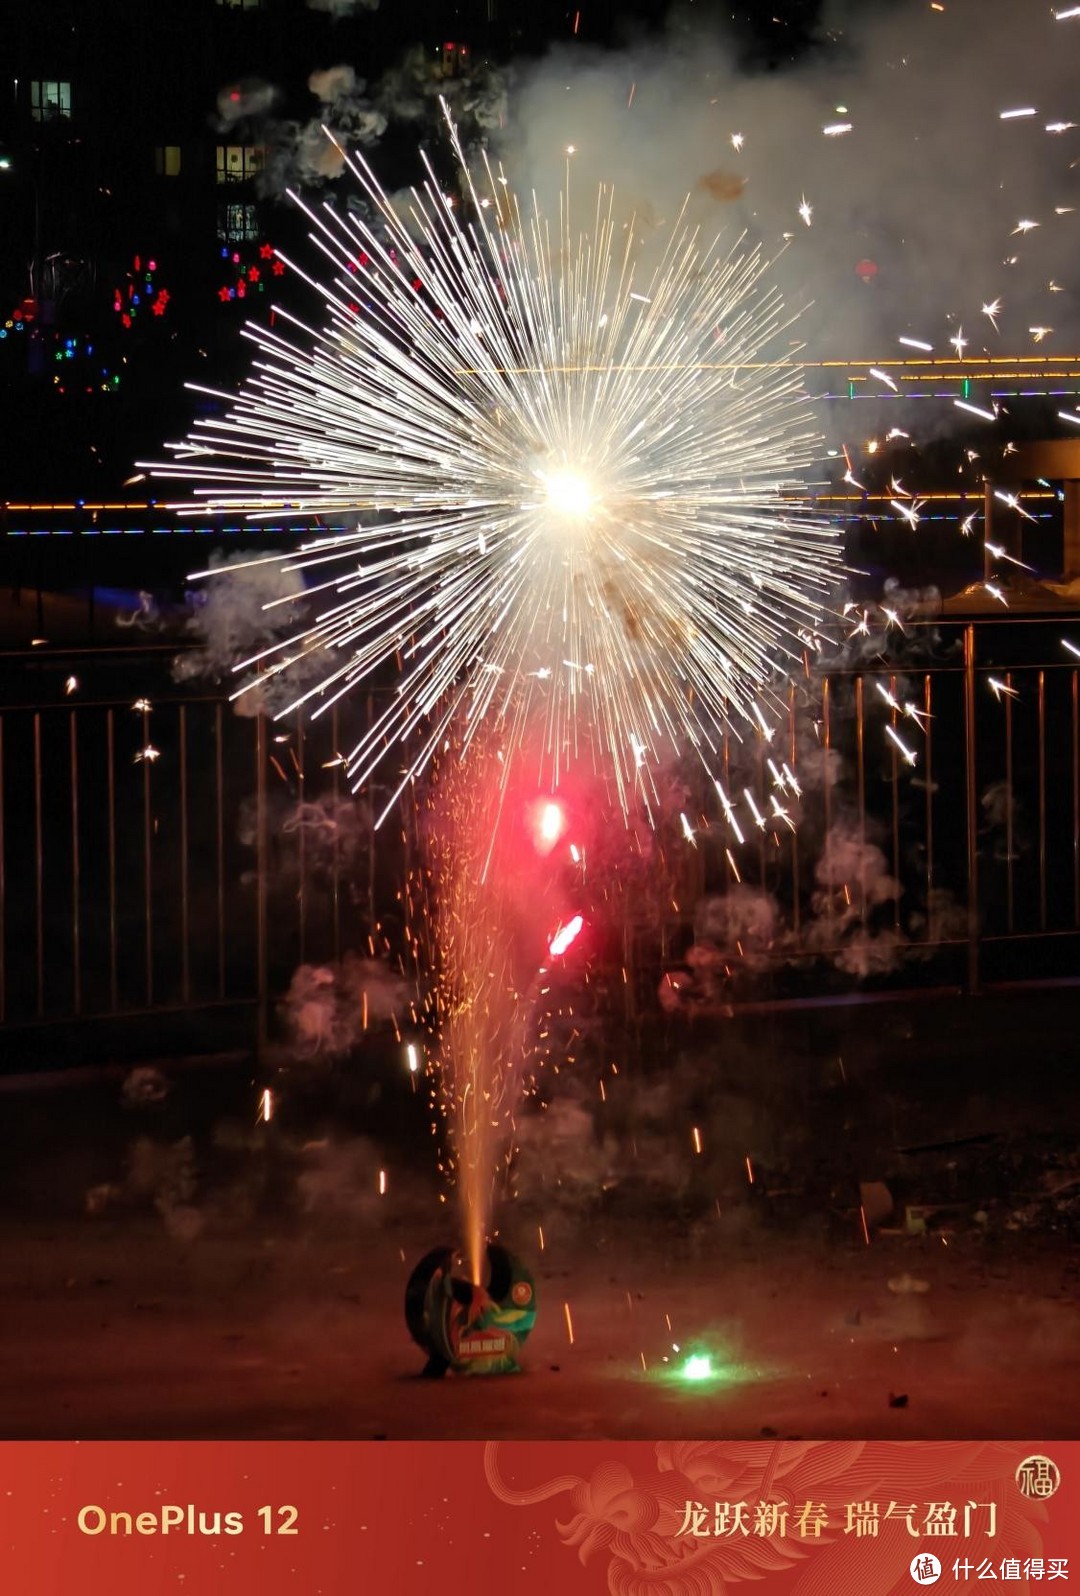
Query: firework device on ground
[{"x": 467, "y": 1328}]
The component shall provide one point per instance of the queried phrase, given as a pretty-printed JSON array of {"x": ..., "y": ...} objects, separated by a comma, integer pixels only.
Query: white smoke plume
[
  {"x": 237, "y": 614},
  {"x": 851, "y": 865},
  {"x": 476, "y": 93},
  {"x": 862, "y": 159},
  {"x": 559, "y": 1159},
  {"x": 1003, "y": 822},
  {"x": 745, "y": 923},
  {"x": 250, "y": 100},
  {"x": 340, "y": 1180},
  {"x": 329, "y": 1007},
  {"x": 299, "y": 154}
]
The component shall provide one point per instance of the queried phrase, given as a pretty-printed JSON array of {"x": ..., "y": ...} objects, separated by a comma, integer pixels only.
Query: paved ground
[
  {"x": 171, "y": 1269},
  {"x": 110, "y": 1327}
]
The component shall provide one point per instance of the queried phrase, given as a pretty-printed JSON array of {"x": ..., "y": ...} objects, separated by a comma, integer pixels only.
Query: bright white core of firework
[{"x": 569, "y": 495}]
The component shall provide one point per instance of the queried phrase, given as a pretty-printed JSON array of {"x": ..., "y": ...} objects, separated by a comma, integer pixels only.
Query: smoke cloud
[
  {"x": 853, "y": 163},
  {"x": 329, "y": 1007},
  {"x": 246, "y": 101},
  {"x": 476, "y": 94},
  {"x": 300, "y": 154},
  {"x": 243, "y": 610}
]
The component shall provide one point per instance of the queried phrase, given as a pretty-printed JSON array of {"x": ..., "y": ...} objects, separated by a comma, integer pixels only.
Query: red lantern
[{"x": 867, "y": 270}]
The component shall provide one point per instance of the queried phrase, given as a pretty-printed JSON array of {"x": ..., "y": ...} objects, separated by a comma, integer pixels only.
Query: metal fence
[
  {"x": 980, "y": 827},
  {"x": 161, "y": 854}
]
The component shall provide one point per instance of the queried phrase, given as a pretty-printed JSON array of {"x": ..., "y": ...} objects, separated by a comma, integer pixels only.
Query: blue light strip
[{"x": 169, "y": 531}]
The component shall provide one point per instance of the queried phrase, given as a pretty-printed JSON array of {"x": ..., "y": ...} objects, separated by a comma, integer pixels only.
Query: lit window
[
  {"x": 50, "y": 101},
  {"x": 237, "y": 224},
  {"x": 167, "y": 160},
  {"x": 236, "y": 163}
]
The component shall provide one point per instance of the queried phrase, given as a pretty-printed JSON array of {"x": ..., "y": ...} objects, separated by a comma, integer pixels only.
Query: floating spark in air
[
  {"x": 545, "y": 465},
  {"x": 908, "y": 512},
  {"x": 780, "y": 813},
  {"x": 1013, "y": 503},
  {"x": 1001, "y": 689},
  {"x": 908, "y": 753},
  {"x": 806, "y": 210},
  {"x": 975, "y": 410},
  {"x": 992, "y": 311},
  {"x": 998, "y": 551},
  {"x": 729, "y": 812},
  {"x": 759, "y": 818}
]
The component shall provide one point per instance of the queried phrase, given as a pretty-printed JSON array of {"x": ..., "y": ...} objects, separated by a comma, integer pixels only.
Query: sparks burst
[{"x": 573, "y": 464}]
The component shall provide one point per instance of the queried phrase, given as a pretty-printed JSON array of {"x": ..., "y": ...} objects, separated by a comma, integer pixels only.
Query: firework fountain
[
  {"x": 573, "y": 453},
  {"x": 494, "y": 888}
]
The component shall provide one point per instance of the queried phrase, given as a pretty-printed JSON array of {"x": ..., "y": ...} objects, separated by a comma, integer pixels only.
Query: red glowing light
[
  {"x": 547, "y": 823},
  {"x": 552, "y": 823},
  {"x": 565, "y": 936}
]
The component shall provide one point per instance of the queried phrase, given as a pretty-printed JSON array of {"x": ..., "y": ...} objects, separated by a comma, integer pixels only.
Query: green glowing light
[{"x": 698, "y": 1367}]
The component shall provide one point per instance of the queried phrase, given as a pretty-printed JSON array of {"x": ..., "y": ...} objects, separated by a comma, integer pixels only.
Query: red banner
[{"x": 795, "y": 1518}]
